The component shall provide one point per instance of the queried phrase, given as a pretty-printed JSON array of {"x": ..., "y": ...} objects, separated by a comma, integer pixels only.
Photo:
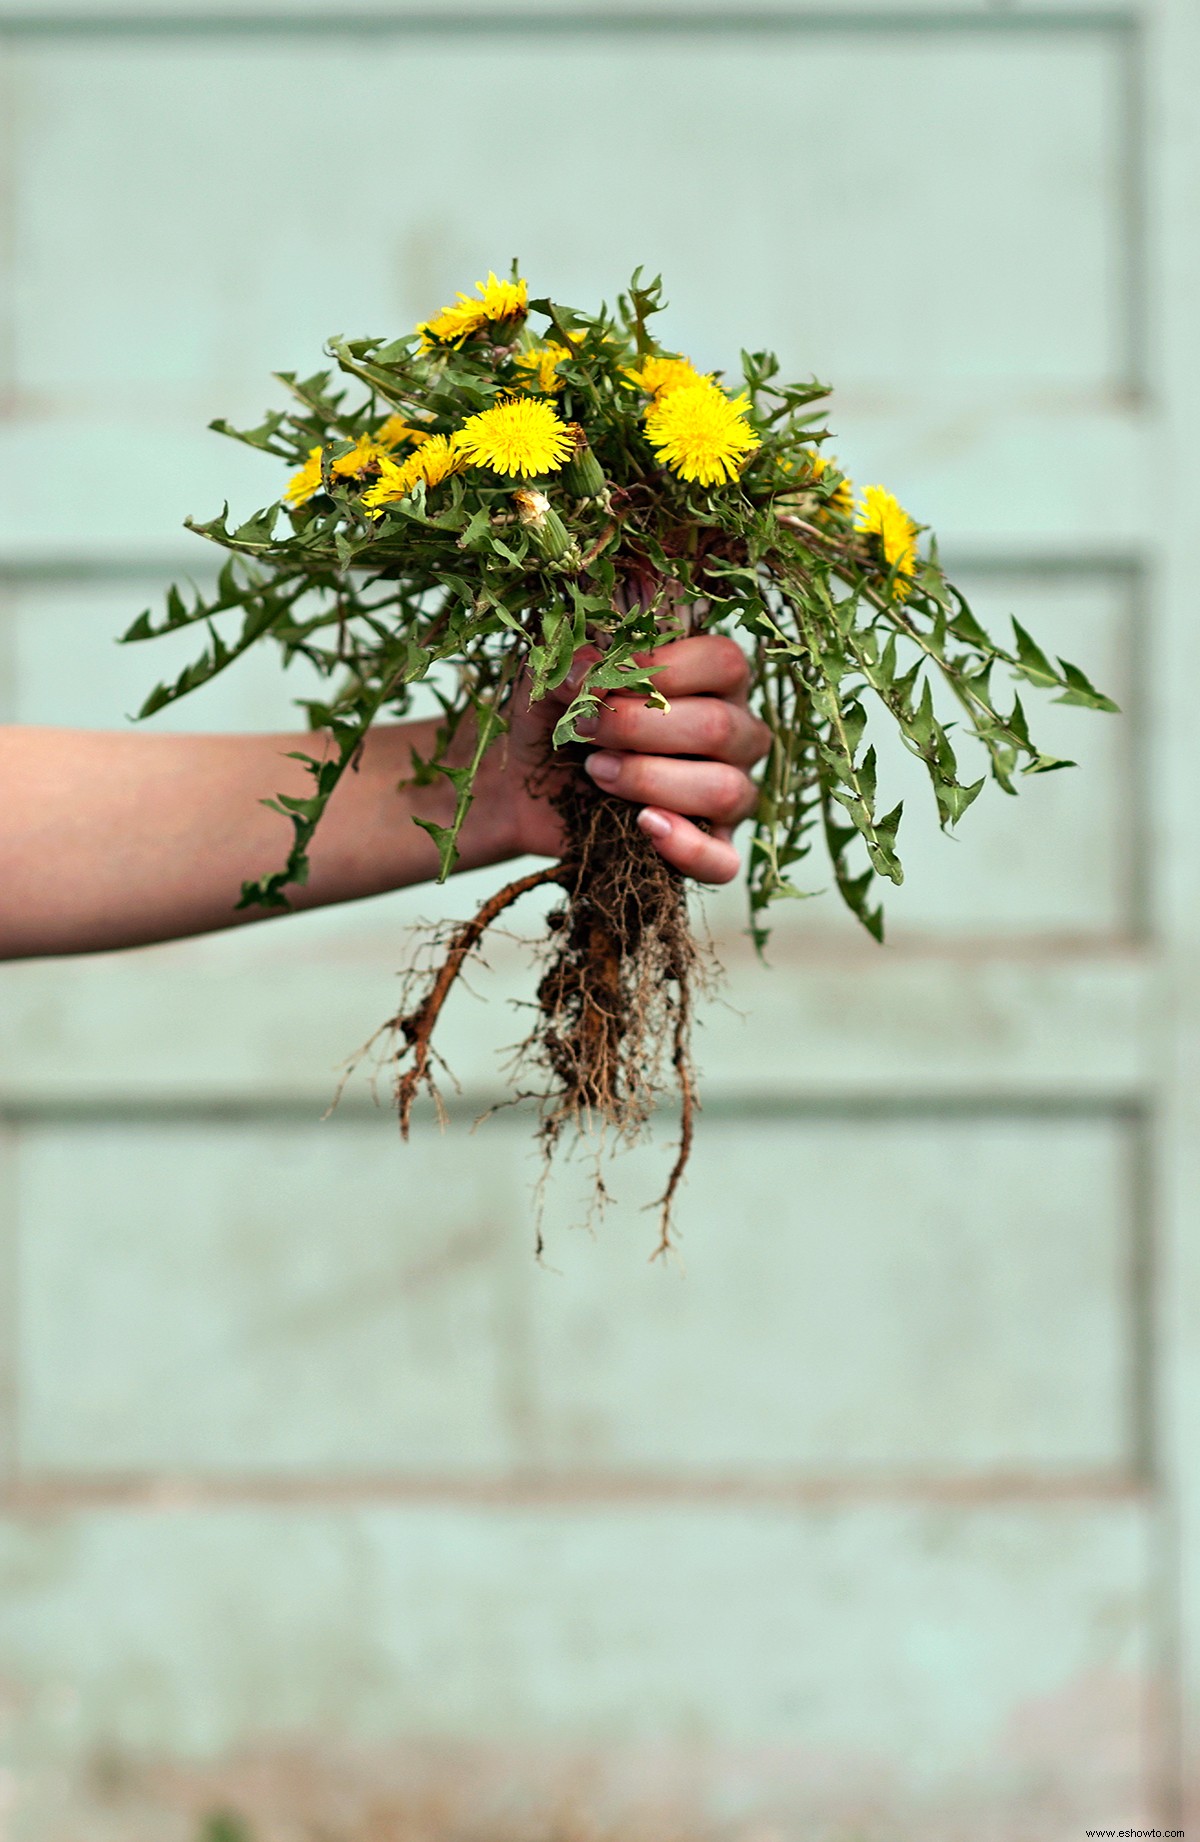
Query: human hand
[{"x": 686, "y": 763}]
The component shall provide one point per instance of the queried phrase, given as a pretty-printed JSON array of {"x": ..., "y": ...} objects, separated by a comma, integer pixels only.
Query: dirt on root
[
  {"x": 613, "y": 1027},
  {"x": 614, "y": 1005}
]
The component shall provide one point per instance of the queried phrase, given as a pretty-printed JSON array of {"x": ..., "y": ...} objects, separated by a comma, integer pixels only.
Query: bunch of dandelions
[{"x": 466, "y": 507}]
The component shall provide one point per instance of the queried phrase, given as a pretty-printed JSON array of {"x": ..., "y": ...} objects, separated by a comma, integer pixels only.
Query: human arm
[{"x": 117, "y": 839}]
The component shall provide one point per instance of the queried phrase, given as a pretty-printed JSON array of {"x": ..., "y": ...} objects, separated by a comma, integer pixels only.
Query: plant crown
[{"x": 486, "y": 500}]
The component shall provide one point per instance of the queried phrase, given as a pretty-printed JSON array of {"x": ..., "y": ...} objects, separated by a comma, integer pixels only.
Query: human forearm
[
  {"x": 118, "y": 839},
  {"x": 114, "y": 840}
]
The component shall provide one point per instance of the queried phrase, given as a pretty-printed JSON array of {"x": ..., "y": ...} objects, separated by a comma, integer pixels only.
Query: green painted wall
[{"x": 320, "y": 1499}]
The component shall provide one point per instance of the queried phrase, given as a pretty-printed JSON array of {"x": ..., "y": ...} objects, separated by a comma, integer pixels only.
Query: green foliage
[
  {"x": 841, "y": 632},
  {"x": 224, "y": 1826}
]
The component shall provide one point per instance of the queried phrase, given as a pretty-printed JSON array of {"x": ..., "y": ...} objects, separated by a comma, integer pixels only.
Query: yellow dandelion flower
[
  {"x": 453, "y": 325},
  {"x": 391, "y": 433},
  {"x": 521, "y": 435},
  {"x": 503, "y": 300},
  {"x": 841, "y": 499},
  {"x": 363, "y": 457},
  {"x": 882, "y": 516},
  {"x": 434, "y": 461},
  {"x": 700, "y": 433},
  {"x": 307, "y": 482},
  {"x": 499, "y": 300},
  {"x": 396, "y": 480},
  {"x": 656, "y": 375},
  {"x": 440, "y": 456},
  {"x": 541, "y": 368}
]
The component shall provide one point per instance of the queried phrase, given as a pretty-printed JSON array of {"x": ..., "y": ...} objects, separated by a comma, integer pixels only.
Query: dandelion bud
[
  {"x": 583, "y": 477},
  {"x": 532, "y": 505},
  {"x": 550, "y": 535}
]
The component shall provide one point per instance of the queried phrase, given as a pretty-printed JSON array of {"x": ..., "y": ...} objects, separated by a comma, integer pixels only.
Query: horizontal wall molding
[
  {"x": 149, "y": 569},
  {"x": 462, "y": 1110},
  {"x": 178, "y": 1030},
  {"x": 561, "y": 18},
  {"x": 40, "y": 1495}
]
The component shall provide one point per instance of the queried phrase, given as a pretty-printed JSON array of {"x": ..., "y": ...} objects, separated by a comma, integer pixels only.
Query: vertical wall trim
[
  {"x": 1133, "y": 355},
  {"x": 1139, "y": 801},
  {"x": 8, "y": 225},
  {"x": 9, "y": 1301},
  {"x": 1173, "y": 127}
]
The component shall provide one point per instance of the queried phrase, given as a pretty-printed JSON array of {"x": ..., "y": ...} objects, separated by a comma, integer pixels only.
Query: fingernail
[
  {"x": 653, "y": 823},
  {"x": 602, "y": 767},
  {"x": 578, "y": 668},
  {"x": 587, "y": 726}
]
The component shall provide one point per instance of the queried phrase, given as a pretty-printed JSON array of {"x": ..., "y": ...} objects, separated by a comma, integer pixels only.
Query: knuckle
[
  {"x": 718, "y": 726},
  {"x": 622, "y": 720},
  {"x": 630, "y": 779},
  {"x": 730, "y": 797},
  {"x": 608, "y": 721},
  {"x": 714, "y": 862}
]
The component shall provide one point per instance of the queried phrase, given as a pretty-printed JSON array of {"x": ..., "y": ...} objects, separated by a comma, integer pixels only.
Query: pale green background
[{"x": 320, "y": 1498}]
